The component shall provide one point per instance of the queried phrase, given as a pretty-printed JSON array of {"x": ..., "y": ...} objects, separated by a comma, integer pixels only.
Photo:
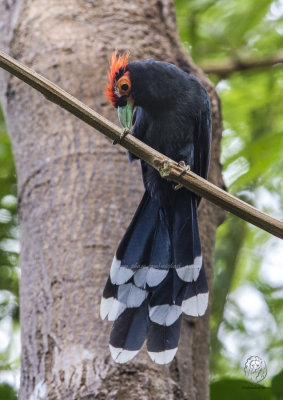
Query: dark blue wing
[
  {"x": 139, "y": 128},
  {"x": 202, "y": 140}
]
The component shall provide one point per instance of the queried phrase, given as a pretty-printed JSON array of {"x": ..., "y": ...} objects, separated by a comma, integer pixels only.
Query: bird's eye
[{"x": 125, "y": 87}]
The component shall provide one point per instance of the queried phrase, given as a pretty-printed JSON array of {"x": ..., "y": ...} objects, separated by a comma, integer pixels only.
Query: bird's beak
[{"x": 125, "y": 115}]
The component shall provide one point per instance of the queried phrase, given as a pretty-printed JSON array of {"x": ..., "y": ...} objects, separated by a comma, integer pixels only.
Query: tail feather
[
  {"x": 162, "y": 342},
  {"x": 169, "y": 291},
  {"x": 196, "y": 296},
  {"x": 166, "y": 300},
  {"x": 161, "y": 248},
  {"x": 165, "y": 314},
  {"x": 109, "y": 295},
  {"x": 149, "y": 276},
  {"x": 118, "y": 273},
  {"x": 117, "y": 298},
  {"x": 129, "y": 332},
  {"x": 134, "y": 248},
  {"x": 190, "y": 273},
  {"x": 156, "y": 274}
]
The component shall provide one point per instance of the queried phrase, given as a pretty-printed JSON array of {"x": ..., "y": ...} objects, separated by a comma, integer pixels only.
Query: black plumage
[{"x": 157, "y": 272}]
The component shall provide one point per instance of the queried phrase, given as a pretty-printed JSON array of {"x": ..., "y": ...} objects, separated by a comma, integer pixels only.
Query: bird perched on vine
[{"x": 157, "y": 272}]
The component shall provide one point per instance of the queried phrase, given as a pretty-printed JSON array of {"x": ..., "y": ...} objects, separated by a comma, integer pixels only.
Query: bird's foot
[
  {"x": 124, "y": 133},
  {"x": 185, "y": 169}
]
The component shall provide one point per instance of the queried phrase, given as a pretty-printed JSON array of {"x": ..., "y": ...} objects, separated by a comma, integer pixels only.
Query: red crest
[{"x": 118, "y": 66}]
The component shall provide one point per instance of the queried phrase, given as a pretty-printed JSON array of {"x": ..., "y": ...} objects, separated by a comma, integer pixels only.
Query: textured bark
[{"x": 77, "y": 194}]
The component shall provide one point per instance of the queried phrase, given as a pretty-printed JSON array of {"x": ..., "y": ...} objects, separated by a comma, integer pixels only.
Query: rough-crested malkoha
[{"x": 157, "y": 273}]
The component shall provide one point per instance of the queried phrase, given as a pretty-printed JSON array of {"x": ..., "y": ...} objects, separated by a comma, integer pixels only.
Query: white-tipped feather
[
  {"x": 118, "y": 274},
  {"x": 155, "y": 276},
  {"x": 196, "y": 305},
  {"x": 116, "y": 309},
  {"x": 197, "y": 267},
  {"x": 131, "y": 296},
  {"x": 190, "y": 273},
  {"x": 149, "y": 275},
  {"x": 105, "y": 306},
  {"x": 120, "y": 355},
  {"x": 165, "y": 314},
  {"x": 140, "y": 277},
  {"x": 163, "y": 357},
  {"x": 186, "y": 273}
]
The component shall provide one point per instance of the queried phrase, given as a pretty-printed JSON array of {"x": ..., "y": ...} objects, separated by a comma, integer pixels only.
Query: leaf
[
  {"x": 277, "y": 386},
  {"x": 7, "y": 392},
  {"x": 235, "y": 389}
]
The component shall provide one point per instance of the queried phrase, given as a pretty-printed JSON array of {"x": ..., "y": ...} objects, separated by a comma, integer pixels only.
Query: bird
[{"x": 157, "y": 272}]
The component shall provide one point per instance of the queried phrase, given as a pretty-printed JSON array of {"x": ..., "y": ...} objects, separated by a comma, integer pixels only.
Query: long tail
[{"x": 156, "y": 274}]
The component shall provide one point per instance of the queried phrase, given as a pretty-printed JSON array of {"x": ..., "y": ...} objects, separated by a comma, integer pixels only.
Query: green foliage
[
  {"x": 235, "y": 389},
  {"x": 7, "y": 392},
  {"x": 247, "y": 306},
  {"x": 214, "y": 30},
  {"x": 277, "y": 386},
  {"x": 9, "y": 261}
]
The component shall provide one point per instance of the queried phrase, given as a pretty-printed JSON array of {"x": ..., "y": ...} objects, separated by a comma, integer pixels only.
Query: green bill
[{"x": 125, "y": 115}]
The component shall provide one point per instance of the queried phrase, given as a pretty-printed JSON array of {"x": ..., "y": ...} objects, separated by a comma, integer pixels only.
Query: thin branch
[
  {"x": 227, "y": 67},
  {"x": 168, "y": 168}
]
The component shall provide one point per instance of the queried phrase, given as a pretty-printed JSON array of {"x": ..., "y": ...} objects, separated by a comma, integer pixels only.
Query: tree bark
[{"x": 77, "y": 195}]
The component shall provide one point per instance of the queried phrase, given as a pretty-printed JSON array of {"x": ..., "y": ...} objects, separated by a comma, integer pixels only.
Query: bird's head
[
  {"x": 155, "y": 86},
  {"x": 118, "y": 89}
]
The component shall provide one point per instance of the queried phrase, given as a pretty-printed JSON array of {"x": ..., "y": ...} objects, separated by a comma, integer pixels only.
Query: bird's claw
[
  {"x": 185, "y": 169},
  {"x": 124, "y": 133}
]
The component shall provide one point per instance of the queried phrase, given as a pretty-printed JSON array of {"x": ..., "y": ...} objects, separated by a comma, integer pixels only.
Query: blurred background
[{"x": 238, "y": 43}]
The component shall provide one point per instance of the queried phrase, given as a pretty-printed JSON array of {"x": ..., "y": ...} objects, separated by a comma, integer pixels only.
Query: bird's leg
[
  {"x": 124, "y": 133},
  {"x": 186, "y": 168}
]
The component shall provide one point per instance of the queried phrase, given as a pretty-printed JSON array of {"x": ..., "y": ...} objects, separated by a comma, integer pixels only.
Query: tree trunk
[{"x": 77, "y": 195}]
